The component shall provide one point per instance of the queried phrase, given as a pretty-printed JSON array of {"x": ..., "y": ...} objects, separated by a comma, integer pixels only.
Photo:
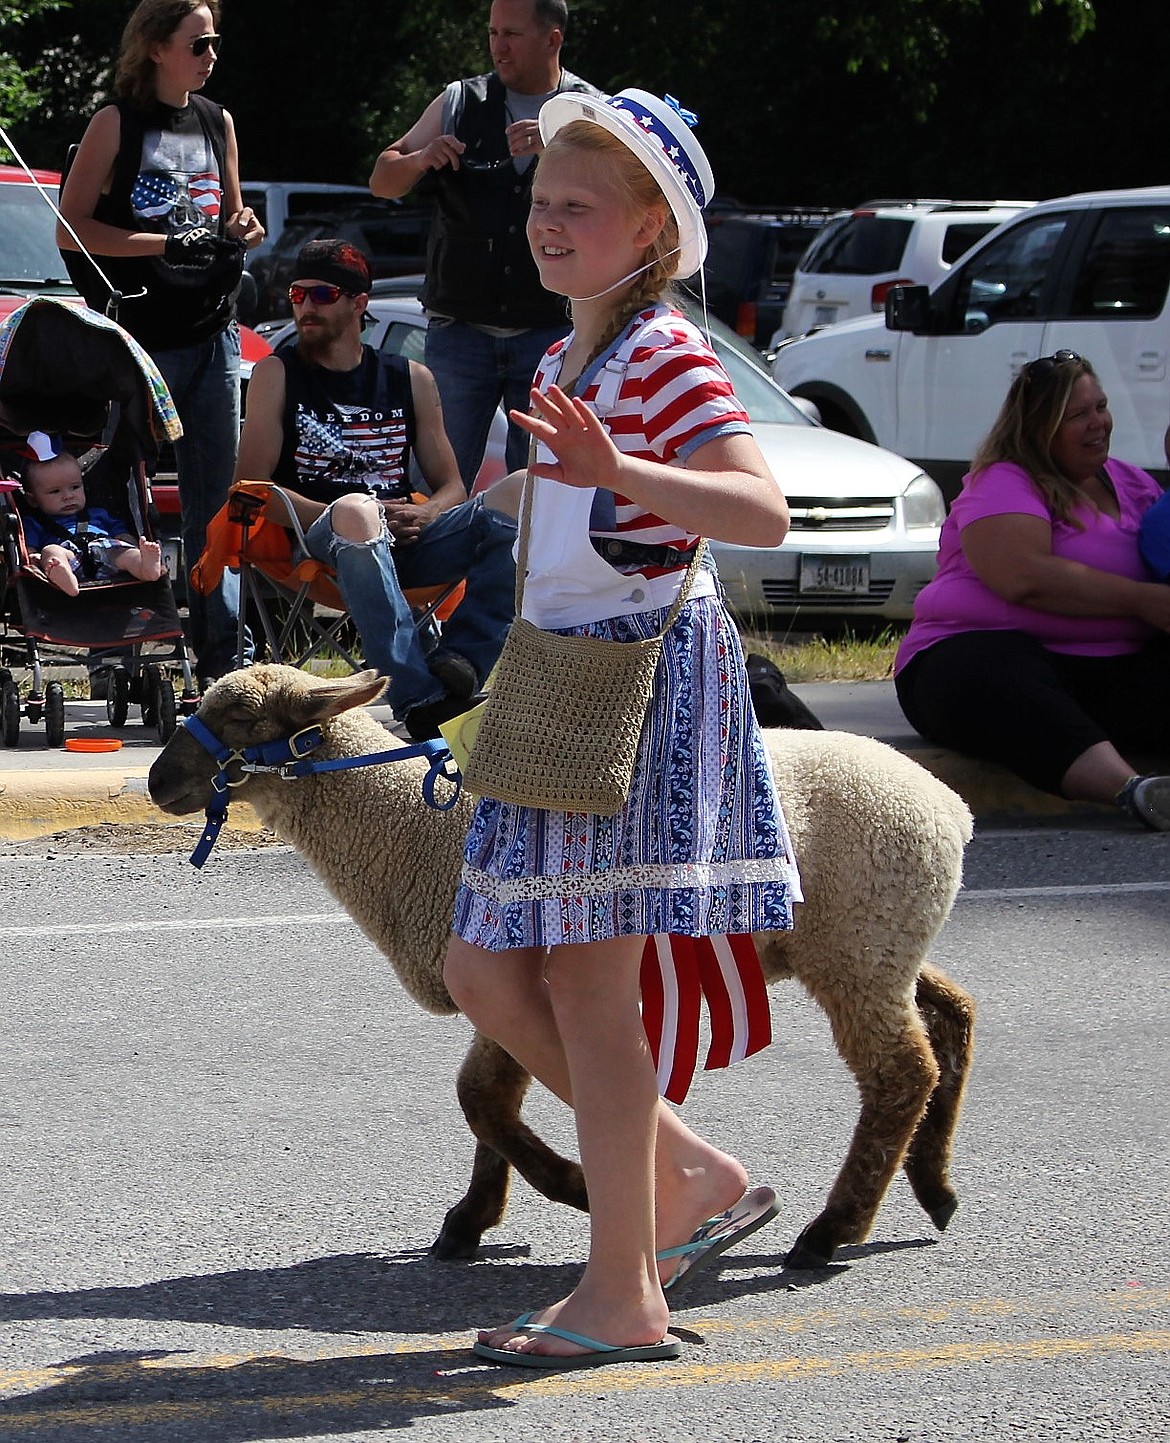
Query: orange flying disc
[{"x": 93, "y": 744}]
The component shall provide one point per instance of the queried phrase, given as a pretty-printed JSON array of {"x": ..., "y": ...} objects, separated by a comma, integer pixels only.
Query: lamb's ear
[{"x": 330, "y": 698}]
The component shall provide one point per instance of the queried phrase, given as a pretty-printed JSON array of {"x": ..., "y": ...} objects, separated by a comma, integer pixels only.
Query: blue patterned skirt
[{"x": 701, "y": 847}]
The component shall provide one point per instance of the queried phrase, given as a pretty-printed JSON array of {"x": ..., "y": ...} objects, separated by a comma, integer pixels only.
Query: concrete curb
[{"x": 37, "y": 803}]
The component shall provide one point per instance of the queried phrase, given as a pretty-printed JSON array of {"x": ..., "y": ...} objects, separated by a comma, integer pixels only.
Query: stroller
[{"x": 69, "y": 371}]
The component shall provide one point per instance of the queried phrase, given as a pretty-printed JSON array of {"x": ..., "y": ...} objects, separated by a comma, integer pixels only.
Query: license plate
[
  {"x": 824, "y": 315},
  {"x": 834, "y": 575}
]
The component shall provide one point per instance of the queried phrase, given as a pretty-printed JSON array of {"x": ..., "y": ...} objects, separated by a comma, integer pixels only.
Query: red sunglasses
[{"x": 321, "y": 295}]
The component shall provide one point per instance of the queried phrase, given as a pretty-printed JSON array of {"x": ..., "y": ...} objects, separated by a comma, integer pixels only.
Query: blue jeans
[
  {"x": 204, "y": 382},
  {"x": 474, "y": 373},
  {"x": 470, "y": 541}
]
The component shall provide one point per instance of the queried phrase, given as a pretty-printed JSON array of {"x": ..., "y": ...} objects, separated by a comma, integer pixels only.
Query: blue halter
[{"x": 288, "y": 758}]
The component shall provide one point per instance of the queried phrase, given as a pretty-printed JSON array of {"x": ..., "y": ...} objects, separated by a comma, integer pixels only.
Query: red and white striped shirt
[{"x": 673, "y": 396}]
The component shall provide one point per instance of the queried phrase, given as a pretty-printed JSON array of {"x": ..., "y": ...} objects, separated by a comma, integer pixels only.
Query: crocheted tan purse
[{"x": 561, "y": 723}]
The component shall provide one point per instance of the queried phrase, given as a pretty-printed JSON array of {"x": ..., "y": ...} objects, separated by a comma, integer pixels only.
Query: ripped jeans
[{"x": 470, "y": 541}]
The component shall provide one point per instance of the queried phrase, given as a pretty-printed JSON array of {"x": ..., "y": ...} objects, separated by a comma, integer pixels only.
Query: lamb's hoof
[
  {"x": 453, "y": 1244},
  {"x": 942, "y": 1214},
  {"x": 806, "y": 1254}
]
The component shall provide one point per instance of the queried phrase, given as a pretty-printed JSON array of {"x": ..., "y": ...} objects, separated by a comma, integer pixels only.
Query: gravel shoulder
[{"x": 112, "y": 837}]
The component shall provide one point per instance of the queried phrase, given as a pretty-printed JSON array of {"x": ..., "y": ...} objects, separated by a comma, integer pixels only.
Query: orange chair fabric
[{"x": 241, "y": 534}]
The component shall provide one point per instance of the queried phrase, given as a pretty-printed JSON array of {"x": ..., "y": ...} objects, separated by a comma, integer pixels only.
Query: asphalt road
[{"x": 230, "y": 1138}]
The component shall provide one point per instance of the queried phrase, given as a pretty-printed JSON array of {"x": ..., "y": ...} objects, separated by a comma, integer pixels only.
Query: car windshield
[
  {"x": 28, "y": 243},
  {"x": 759, "y": 395}
]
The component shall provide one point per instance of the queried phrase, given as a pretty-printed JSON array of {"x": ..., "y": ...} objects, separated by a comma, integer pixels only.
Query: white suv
[
  {"x": 1087, "y": 272},
  {"x": 862, "y": 254}
]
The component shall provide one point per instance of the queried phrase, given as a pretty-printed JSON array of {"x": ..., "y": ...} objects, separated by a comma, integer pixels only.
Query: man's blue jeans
[
  {"x": 474, "y": 373},
  {"x": 204, "y": 382},
  {"x": 470, "y": 541}
]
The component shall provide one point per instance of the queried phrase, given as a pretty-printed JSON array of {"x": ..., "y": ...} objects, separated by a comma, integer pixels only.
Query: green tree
[{"x": 799, "y": 102}]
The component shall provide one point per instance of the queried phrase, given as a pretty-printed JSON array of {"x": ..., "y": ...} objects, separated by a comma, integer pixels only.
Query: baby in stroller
[{"x": 67, "y": 537}]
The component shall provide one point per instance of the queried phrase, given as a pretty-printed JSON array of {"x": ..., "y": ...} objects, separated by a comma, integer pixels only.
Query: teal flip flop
[
  {"x": 713, "y": 1238},
  {"x": 596, "y": 1355}
]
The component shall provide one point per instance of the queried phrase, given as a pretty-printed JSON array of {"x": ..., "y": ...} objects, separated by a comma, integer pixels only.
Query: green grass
[{"x": 843, "y": 657}]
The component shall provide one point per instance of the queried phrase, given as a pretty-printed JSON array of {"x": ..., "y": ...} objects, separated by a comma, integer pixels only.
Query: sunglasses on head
[
  {"x": 321, "y": 295},
  {"x": 203, "y": 43},
  {"x": 1041, "y": 369}
]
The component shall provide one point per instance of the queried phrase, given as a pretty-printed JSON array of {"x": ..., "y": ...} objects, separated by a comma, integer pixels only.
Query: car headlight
[{"x": 923, "y": 504}]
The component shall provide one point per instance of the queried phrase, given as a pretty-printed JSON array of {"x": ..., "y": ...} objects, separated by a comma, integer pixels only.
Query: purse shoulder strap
[{"x": 684, "y": 590}]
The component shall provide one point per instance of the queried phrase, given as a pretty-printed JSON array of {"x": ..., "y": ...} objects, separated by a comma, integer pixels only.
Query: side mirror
[{"x": 908, "y": 309}]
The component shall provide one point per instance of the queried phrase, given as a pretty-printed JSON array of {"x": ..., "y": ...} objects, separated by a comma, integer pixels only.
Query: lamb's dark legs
[
  {"x": 896, "y": 1074},
  {"x": 949, "y": 1015},
  {"x": 491, "y": 1089}
]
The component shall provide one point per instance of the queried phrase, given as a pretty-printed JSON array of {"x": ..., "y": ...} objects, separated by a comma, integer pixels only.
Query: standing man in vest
[
  {"x": 473, "y": 149},
  {"x": 154, "y": 192}
]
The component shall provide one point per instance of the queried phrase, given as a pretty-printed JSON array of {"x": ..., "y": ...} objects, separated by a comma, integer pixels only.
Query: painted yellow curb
[{"x": 36, "y": 803}]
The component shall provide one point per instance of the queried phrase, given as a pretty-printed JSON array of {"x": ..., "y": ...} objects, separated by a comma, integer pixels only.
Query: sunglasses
[
  {"x": 1041, "y": 369},
  {"x": 471, "y": 164},
  {"x": 203, "y": 43},
  {"x": 320, "y": 295}
]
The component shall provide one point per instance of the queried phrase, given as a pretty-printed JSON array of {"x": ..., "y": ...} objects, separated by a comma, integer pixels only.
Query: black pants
[{"x": 1002, "y": 696}]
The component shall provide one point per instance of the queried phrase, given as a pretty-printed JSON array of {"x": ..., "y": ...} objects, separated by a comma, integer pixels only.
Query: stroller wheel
[
  {"x": 152, "y": 679},
  {"x": 10, "y": 712},
  {"x": 54, "y": 714},
  {"x": 165, "y": 720},
  {"x": 118, "y": 697}
]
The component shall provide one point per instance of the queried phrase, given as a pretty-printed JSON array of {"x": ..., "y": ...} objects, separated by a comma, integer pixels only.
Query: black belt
[{"x": 630, "y": 553}]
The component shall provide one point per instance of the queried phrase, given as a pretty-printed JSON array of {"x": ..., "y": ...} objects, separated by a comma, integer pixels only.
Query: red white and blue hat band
[{"x": 667, "y": 140}]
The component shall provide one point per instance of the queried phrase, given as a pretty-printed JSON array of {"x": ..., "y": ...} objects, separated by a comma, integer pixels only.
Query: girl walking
[{"x": 642, "y": 449}]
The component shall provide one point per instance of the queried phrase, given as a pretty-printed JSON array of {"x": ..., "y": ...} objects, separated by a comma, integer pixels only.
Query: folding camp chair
[{"x": 293, "y": 596}]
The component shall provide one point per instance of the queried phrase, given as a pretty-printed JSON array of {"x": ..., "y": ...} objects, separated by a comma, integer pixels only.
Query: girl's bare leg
[
  {"x": 574, "y": 1014},
  {"x": 506, "y": 995}
]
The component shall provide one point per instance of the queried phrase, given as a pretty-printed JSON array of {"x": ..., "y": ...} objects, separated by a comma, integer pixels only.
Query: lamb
[{"x": 880, "y": 845}]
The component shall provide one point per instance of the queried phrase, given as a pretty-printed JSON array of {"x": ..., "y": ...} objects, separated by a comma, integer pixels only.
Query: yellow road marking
[
  {"x": 453, "y": 1390},
  {"x": 462, "y": 1380}
]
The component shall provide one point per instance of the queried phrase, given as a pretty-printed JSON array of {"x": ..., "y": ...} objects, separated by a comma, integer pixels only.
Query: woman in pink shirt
[{"x": 1043, "y": 643}]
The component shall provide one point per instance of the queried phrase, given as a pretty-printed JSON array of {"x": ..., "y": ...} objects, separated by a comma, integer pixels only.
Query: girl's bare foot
[
  {"x": 630, "y": 1323},
  {"x": 59, "y": 573},
  {"x": 688, "y": 1196}
]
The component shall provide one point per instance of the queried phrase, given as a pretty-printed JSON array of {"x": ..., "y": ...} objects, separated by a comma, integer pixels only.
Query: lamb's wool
[{"x": 879, "y": 842}]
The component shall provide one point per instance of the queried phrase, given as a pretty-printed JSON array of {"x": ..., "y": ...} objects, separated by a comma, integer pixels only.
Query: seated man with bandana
[{"x": 335, "y": 424}]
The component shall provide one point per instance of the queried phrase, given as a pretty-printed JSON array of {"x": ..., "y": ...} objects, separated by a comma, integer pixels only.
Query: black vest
[
  {"x": 181, "y": 306},
  {"x": 346, "y": 430},
  {"x": 479, "y": 267}
]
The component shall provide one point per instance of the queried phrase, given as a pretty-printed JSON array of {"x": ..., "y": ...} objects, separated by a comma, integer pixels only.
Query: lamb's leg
[
  {"x": 949, "y": 1014},
  {"x": 480, "y": 1208},
  {"x": 491, "y": 1089},
  {"x": 889, "y": 1054}
]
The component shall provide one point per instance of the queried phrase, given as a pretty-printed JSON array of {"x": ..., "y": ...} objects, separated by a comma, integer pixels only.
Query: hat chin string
[{"x": 649, "y": 264}]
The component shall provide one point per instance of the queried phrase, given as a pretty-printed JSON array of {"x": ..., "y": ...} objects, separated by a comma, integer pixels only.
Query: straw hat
[{"x": 658, "y": 133}]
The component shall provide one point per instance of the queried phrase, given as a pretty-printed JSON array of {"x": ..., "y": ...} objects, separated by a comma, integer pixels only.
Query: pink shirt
[{"x": 957, "y": 601}]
